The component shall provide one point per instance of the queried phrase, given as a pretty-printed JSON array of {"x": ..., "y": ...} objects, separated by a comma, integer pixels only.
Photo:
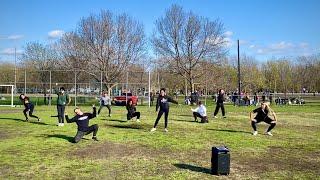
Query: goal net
[{"x": 6, "y": 95}]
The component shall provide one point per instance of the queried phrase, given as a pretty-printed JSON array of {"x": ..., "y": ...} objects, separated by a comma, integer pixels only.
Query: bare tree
[
  {"x": 40, "y": 58},
  {"x": 187, "y": 40},
  {"x": 104, "y": 43}
]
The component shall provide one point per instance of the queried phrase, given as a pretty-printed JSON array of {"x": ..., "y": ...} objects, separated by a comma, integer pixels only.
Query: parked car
[{"x": 121, "y": 100}]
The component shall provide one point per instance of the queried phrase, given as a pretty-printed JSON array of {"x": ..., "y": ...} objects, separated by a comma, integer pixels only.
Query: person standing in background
[{"x": 62, "y": 100}]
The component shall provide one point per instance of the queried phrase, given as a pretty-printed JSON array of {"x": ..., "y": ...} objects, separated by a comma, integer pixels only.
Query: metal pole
[
  {"x": 127, "y": 87},
  {"x": 11, "y": 96},
  {"x": 239, "y": 75},
  {"x": 101, "y": 82},
  {"x": 25, "y": 81},
  {"x": 15, "y": 70},
  {"x": 75, "y": 88},
  {"x": 149, "y": 88},
  {"x": 205, "y": 98},
  {"x": 50, "y": 86}
]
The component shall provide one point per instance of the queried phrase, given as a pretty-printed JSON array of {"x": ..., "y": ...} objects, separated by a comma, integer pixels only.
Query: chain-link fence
[{"x": 82, "y": 86}]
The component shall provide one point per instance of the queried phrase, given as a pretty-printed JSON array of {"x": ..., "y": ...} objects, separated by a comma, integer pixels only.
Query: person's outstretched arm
[
  {"x": 274, "y": 116},
  {"x": 74, "y": 119},
  {"x": 94, "y": 113},
  {"x": 172, "y": 100}
]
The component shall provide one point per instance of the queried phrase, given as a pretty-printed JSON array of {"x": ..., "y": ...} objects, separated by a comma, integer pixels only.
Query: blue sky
[{"x": 266, "y": 28}]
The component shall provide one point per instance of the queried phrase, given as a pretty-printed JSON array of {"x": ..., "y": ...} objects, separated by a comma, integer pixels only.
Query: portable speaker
[{"x": 220, "y": 161}]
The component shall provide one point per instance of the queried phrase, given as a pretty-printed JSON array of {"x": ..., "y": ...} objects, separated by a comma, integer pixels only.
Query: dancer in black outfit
[
  {"x": 82, "y": 120},
  {"x": 220, "y": 100},
  {"x": 132, "y": 111},
  {"x": 28, "y": 107},
  {"x": 163, "y": 102},
  {"x": 262, "y": 115}
]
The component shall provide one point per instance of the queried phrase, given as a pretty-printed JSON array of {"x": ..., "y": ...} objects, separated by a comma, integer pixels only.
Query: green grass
[{"x": 127, "y": 150}]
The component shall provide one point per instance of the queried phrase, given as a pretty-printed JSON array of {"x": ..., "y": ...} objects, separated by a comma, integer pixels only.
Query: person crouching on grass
[
  {"x": 200, "y": 112},
  {"x": 163, "y": 102},
  {"x": 132, "y": 111},
  {"x": 262, "y": 115},
  {"x": 28, "y": 107},
  {"x": 82, "y": 120}
]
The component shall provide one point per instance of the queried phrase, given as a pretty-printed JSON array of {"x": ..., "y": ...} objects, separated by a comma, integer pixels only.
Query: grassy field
[{"x": 127, "y": 150}]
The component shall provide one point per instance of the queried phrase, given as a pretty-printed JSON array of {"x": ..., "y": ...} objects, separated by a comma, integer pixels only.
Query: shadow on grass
[
  {"x": 61, "y": 136},
  {"x": 115, "y": 120},
  {"x": 22, "y": 120},
  {"x": 15, "y": 119},
  {"x": 230, "y": 130},
  {"x": 38, "y": 123},
  {"x": 131, "y": 126},
  {"x": 190, "y": 121},
  {"x": 193, "y": 168}
]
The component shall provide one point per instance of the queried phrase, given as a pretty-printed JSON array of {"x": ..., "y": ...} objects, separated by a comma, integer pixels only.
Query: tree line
[{"x": 188, "y": 52}]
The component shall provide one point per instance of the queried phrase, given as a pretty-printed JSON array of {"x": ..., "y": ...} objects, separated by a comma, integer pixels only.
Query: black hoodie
[
  {"x": 163, "y": 102},
  {"x": 82, "y": 120}
]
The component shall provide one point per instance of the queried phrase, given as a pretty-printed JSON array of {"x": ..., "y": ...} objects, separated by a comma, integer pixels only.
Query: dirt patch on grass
[
  {"x": 4, "y": 135},
  {"x": 280, "y": 158},
  {"x": 7, "y": 111},
  {"x": 116, "y": 150}
]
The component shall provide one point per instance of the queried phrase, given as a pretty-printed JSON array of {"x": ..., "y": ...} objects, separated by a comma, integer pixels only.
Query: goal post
[{"x": 6, "y": 95}]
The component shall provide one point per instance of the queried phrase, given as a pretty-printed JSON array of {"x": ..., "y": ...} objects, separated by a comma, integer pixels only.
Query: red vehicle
[{"x": 121, "y": 100}]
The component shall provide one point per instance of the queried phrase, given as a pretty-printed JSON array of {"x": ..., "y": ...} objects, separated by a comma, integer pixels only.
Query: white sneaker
[
  {"x": 215, "y": 117},
  {"x": 138, "y": 120},
  {"x": 255, "y": 133},
  {"x": 61, "y": 124},
  {"x": 165, "y": 130},
  {"x": 269, "y": 133},
  {"x": 153, "y": 129},
  {"x": 39, "y": 119}
]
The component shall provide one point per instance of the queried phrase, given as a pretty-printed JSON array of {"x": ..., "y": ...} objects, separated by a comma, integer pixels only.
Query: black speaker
[{"x": 220, "y": 161}]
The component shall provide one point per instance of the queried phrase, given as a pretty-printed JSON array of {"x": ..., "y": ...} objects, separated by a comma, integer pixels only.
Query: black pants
[
  {"x": 219, "y": 105},
  {"x": 60, "y": 109},
  {"x": 30, "y": 108},
  {"x": 94, "y": 128},
  {"x": 108, "y": 106},
  {"x": 166, "y": 114},
  {"x": 203, "y": 118},
  {"x": 130, "y": 116},
  {"x": 266, "y": 120}
]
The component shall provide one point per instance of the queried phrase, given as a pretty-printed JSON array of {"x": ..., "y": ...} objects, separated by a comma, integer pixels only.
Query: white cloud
[
  {"x": 228, "y": 33},
  {"x": 228, "y": 41},
  {"x": 12, "y": 37},
  {"x": 55, "y": 34},
  {"x": 252, "y": 46},
  {"x": 10, "y": 51},
  {"x": 284, "y": 48},
  {"x": 281, "y": 46},
  {"x": 15, "y": 37}
]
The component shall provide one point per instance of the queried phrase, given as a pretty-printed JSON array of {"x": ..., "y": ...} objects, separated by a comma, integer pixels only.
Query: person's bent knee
[{"x": 253, "y": 120}]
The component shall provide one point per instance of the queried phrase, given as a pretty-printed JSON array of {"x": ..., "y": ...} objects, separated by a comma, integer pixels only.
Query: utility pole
[{"x": 239, "y": 75}]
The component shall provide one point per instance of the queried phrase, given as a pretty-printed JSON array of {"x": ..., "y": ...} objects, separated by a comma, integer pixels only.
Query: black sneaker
[
  {"x": 95, "y": 138},
  {"x": 27, "y": 120}
]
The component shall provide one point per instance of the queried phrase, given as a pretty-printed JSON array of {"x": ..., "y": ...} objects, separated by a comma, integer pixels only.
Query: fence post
[
  {"x": 127, "y": 87},
  {"x": 75, "y": 88},
  {"x": 25, "y": 81},
  {"x": 149, "y": 88},
  {"x": 101, "y": 82},
  {"x": 50, "y": 86}
]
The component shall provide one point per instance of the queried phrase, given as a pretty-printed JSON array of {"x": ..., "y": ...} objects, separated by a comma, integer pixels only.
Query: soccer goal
[{"x": 6, "y": 95}]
